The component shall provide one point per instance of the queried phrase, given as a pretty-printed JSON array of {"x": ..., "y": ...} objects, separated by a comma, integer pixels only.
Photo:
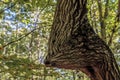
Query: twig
[
  {"x": 112, "y": 34},
  {"x": 45, "y": 6},
  {"x": 25, "y": 34},
  {"x": 8, "y": 7},
  {"x": 19, "y": 38}
]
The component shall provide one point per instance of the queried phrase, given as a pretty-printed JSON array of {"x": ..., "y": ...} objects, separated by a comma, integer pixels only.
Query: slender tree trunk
[
  {"x": 117, "y": 20},
  {"x": 102, "y": 17},
  {"x": 102, "y": 23},
  {"x": 74, "y": 45}
]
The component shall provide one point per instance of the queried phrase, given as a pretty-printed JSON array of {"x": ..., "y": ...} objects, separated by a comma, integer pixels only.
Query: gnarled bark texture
[{"x": 74, "y": 45}]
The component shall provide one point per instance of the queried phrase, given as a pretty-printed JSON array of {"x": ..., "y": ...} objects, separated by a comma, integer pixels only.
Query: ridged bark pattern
[{"x": 74, "y": 45}]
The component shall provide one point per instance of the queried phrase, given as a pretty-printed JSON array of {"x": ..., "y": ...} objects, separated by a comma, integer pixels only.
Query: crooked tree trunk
[{"x": 74, "y": 45}]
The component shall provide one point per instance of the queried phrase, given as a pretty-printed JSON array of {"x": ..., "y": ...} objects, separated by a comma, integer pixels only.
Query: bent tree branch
[{"x": 73, "y": 44}]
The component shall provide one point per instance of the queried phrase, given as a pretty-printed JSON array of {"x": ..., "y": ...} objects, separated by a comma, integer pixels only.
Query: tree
[{"x": 73, "y": 44}]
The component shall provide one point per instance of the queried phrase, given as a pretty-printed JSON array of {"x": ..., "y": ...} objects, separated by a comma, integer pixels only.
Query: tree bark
[{"x": 74, "y": 45}]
